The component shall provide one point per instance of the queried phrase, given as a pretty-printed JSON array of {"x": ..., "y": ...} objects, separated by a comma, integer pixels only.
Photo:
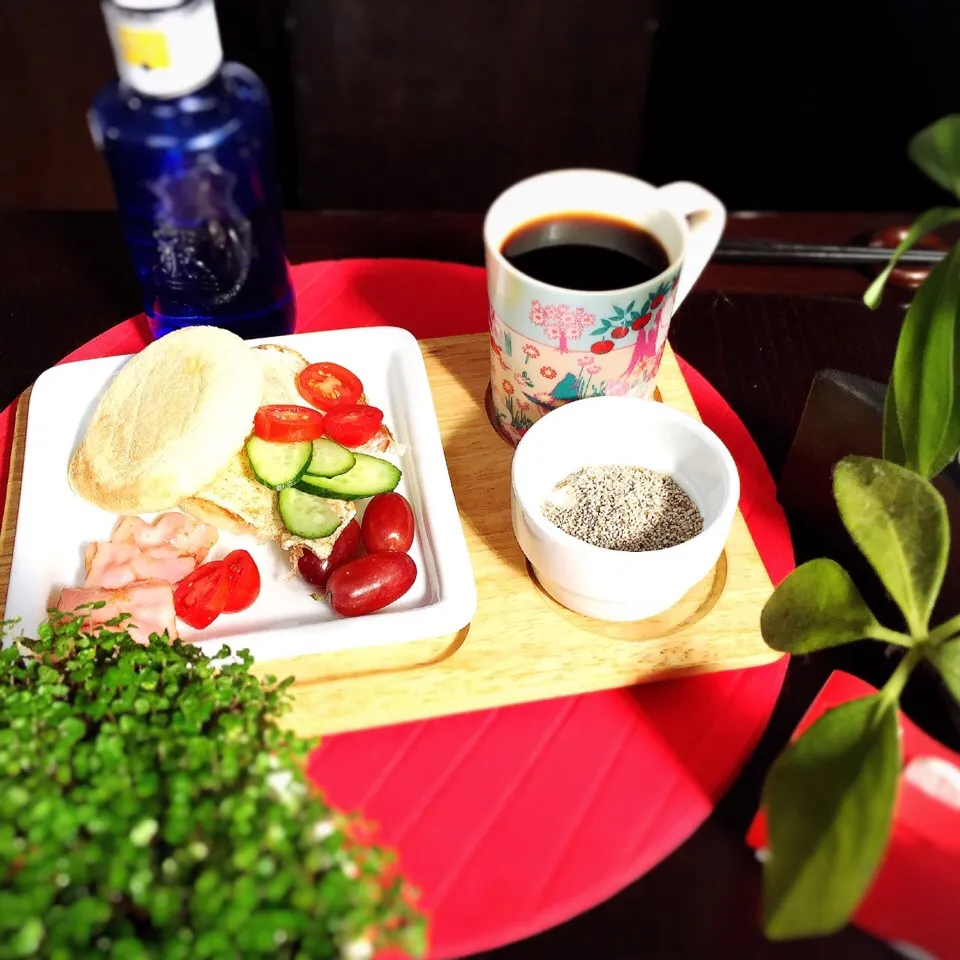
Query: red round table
[{"x": 513, "y": 820}]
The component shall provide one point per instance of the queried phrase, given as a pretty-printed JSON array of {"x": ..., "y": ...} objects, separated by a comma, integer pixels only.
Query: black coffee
[{"x": 583, "y": 252}]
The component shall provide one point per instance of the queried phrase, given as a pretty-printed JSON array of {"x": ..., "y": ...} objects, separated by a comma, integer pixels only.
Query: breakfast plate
[{"x": 54, "y": 524}]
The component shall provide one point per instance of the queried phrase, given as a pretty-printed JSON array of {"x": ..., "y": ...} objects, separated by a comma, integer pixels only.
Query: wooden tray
[{"x": 521, "y": 645}]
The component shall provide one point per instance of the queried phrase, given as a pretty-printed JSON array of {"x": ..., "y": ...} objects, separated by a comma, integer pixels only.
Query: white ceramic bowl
[{"x": 622, "y": 431}]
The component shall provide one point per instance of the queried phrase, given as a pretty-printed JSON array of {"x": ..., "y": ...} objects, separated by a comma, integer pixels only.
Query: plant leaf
[
  {"x": 816, "y": 607},
  {"x": 222, "y": 808},
  {"x": 946, "y": 658},
  {"x": 936, "y": 151},
  {"x": 829, "y": 799},
  {"x": 899, "y": 522},
  {"x": 925, "y": 371},
  {"x": 926, "y": 223},
  {"x": 629, "y": 306},
  {"x": 597, "y": 332},
  {"x": 893, "y": 449}
]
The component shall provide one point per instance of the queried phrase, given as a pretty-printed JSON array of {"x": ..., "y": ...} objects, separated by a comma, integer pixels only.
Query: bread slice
[
  {"x": 168, "y": 422},
  {"x": 281, "y": 369},
  {"x": 235, "y": 500}
]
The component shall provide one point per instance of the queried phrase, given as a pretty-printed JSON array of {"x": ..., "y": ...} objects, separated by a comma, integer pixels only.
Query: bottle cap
[{"x": 164, "y": 48}]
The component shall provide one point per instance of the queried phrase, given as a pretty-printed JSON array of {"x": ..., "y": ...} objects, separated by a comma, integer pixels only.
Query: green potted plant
[
  {"x": 829, "y": 797},
  {"x": 153, "y": 806}
]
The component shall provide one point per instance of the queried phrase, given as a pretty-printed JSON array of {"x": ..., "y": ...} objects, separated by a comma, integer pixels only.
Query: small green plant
[
  {"x": 830, "y": 795},
  {"x": 153, "y": 807}
]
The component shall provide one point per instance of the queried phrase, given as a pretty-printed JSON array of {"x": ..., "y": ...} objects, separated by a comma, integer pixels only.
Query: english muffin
[{"x": 168, "y": 422}]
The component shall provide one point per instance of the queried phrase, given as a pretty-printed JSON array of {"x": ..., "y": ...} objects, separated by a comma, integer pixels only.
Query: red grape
[
  {"x": 387, "y": 524},
  {"x": 370, "y": 583},
  {"x": 317, "y": 571}
]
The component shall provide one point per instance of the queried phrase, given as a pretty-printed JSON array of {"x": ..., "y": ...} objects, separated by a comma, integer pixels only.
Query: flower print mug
[{"x": 552, "y": 344}]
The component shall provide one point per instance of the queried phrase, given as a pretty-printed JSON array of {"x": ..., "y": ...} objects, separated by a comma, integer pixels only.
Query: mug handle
[{"x": 706, "y": 217}]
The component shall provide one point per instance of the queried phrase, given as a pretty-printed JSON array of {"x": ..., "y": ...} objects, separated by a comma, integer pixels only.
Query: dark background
[{"x": 440, "y": 104}]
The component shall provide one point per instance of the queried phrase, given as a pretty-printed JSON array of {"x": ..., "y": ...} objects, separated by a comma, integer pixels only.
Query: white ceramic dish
[
  {"x": 54, "y": 524},
  {"x": 599, "y": 431}
]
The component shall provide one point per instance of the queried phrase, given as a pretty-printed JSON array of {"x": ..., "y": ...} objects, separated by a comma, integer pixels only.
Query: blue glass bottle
[{"x": 189, "y": 143}]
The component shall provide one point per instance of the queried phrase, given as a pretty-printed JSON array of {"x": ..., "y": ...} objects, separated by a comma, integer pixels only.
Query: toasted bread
[
  {"x": 280, "y": 382},
  {"x": 168, "y": 422},
  {"x": 235, "y": 500}
]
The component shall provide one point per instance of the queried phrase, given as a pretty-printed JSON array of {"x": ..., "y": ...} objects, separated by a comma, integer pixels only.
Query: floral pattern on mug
[
  {"x": 577, "y": 355},
  {"x": 617, "y": 388},
  {"x": 637, "y": 379},
  {"x": 518, "y": 409},
  {"x": 560, "y": 322},
  {"x": 617, "y": 370},
  {"x": 497, "y": 351},
  {"x": 574, "y": 326}
]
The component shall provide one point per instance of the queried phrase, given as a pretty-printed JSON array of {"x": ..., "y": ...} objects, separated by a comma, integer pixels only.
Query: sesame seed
[{"x": 623, "y": 508}]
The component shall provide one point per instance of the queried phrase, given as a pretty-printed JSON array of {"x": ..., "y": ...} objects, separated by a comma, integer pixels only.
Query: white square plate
[{"x": 54, "y": 524}]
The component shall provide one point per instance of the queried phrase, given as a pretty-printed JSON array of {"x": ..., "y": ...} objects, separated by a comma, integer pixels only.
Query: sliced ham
[
  {"x": 135, "y": 571},
  {"x": 187, "y": 536},
  {"x": 149, "y": 603},
  {"x": 115, "y": 565}
]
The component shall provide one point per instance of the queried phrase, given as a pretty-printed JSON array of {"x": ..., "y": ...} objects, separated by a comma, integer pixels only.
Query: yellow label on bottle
[{"x": 144, "y": 48}]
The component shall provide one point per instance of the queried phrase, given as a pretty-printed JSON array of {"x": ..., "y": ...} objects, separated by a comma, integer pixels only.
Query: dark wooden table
[{"x": 759, "y": 334}]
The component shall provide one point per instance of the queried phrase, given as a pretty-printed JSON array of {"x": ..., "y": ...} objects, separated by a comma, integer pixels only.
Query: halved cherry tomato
[
  {"x": 328, "y": 385},
  {"x": 202, "y": 596},
  {"x": 353, "y": 425},
  {"x": 387, "y": 524},
  {"x": 317, "y": 571},
  {"x": 241, "y": 570},
  {"x": 288, "y": 423}
]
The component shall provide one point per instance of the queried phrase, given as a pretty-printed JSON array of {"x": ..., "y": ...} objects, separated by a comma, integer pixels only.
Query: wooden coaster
[{"x": 521, "y": 645}]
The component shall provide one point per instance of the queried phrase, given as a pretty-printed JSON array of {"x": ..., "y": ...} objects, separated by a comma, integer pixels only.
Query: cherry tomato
[
  {"x": 387, "y": 524},
  {"x": 202, "y": 596},
  {"x": 317, "y": 571},
  {"x": 353, "y": 425},
  {"x": 328, "y": 385},
  {"x": 241, "y": 570},
  {"x": 287, "y": 423},
  {"x": 370, "y": 583}
]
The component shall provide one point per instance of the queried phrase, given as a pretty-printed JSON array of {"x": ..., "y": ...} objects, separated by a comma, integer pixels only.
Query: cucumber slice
[
  {"x": 368, "y": 477},
  {"x": 278, "y": 465},
  {"x": 305, "y": 515},
  {"x": 329, "y": 459}
]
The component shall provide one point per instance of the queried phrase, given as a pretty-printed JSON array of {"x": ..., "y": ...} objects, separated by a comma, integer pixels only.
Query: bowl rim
[{"x": 653, "y": 408}]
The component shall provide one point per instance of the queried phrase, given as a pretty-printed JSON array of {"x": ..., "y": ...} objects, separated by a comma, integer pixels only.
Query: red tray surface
[{"x": 513, "y": 820}]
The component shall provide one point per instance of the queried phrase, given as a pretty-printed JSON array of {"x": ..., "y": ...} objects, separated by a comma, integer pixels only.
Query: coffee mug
[{"x": 549, "y": 344}]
